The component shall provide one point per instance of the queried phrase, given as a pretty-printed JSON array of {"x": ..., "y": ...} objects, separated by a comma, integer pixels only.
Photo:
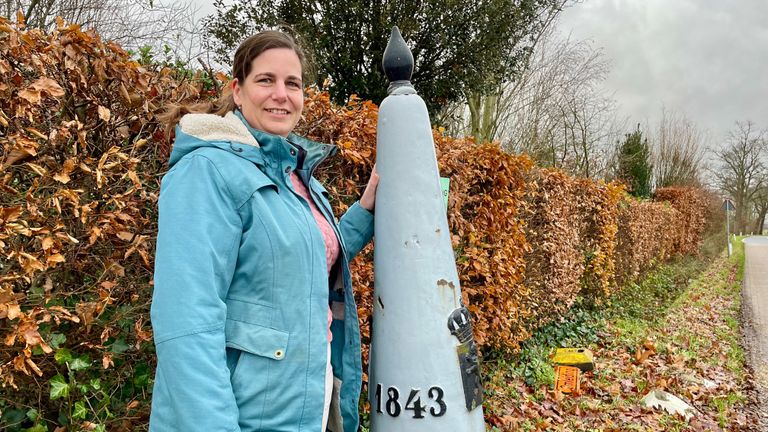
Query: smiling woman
[
  {"x": 271, "y": 96},
  {"x": 253, "y": 311}
]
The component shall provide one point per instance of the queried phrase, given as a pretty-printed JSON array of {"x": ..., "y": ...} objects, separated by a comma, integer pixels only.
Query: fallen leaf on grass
[
  {"x": 645, "y": 351},
  {"x": 628, "y": 385}
]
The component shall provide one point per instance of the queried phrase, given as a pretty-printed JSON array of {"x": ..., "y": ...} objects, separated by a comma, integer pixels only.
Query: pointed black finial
[{"x": 398, "y": 60}]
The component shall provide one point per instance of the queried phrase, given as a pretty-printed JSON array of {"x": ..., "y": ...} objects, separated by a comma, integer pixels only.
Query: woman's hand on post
[{"x": 368, "y": 200}]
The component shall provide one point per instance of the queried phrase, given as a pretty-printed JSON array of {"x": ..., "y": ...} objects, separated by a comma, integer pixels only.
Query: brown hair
[{"x": 248, "y": 50}]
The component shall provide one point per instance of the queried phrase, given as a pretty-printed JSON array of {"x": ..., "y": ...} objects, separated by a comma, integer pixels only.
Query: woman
[{"x": 254, "y": 320}]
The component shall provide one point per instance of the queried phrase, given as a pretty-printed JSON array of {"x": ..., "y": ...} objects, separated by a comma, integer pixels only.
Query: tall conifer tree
[{"x": 635, "y": 167}]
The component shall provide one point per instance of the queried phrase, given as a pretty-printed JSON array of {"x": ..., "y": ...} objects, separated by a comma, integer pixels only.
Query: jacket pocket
[{"x": 256, "y": 339}]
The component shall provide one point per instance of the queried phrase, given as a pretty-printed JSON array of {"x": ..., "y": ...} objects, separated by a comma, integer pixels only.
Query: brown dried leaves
[{"x": 81, "y": 153}]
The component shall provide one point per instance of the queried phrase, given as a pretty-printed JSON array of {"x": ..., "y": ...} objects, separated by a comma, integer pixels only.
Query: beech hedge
[{"x": 83, "y": 154}]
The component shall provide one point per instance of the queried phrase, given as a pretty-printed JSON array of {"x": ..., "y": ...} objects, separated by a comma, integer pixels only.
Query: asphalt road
[{"x": 755, "y": 298}]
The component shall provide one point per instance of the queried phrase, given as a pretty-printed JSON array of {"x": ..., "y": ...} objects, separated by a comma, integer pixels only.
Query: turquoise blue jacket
[{"x": 242, "y": 290}]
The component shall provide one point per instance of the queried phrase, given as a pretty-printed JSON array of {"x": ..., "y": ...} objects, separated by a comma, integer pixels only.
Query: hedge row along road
[{"x": 82, "y": 152}]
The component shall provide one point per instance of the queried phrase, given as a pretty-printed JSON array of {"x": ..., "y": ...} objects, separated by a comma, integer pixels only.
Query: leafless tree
[
  {"x": 131, "y": 23},
  {"x": 557, "y": 112},
  {"x": 742, "y": 170},
  {"x": 760, "y": 207},
  {"x": 554, "y": 111},
  {"x": 678, "y": 150},
  {"x": 483, "y": 112},
  {"x": 587, "y": 122}
]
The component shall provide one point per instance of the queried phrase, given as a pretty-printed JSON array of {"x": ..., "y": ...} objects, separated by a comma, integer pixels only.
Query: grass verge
[{"x": 676, "y": 330}]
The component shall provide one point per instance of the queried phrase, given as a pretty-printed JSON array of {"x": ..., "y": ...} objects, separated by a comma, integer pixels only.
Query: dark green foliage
[
  {"x": 458, "y": 46},
  {"x": 635, "y": 167},
  {"x": 584, "y": 325},
  {"x": 580, "y": 327},
  {"x": 653, "y": 295}
]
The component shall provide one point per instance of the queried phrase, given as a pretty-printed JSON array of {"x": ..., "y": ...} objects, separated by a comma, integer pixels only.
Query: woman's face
[{"x": 272, "y": 95}]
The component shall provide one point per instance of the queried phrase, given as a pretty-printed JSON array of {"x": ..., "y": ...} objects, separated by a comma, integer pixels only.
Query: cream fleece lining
[{"x": 211, "y": 127}]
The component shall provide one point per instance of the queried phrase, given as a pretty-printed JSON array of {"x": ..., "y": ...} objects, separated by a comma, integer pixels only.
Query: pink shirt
[{"x": 329, "y": 236}]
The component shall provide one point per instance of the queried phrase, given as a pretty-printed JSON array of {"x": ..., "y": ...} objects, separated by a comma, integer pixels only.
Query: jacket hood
[
  {"x": 195, "y": 131},
  {"x": 231, "y": 133}
]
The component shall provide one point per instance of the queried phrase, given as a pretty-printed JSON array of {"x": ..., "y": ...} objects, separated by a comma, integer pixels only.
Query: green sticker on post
[{"x": 445, "y": 184}]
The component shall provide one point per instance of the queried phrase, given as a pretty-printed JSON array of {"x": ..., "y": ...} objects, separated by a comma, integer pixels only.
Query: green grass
[
  {"x": 632, "y": 310},
  {"x": 655, "y": 306},
  {"x": 738, "y": 254},
  {"x": 651, "y": 297},
  {"x": 701, "y": 294}
]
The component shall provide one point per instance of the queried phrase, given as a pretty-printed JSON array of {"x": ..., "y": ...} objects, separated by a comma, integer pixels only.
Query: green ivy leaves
[
  {"x": 65, "y": 356},
  {"x": 59, "y": 387},
  {"x": 80, "y": 363},
  {"x": 79, "y": 412}
]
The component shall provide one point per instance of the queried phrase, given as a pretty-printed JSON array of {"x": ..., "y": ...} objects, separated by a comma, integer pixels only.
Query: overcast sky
[{"x": 707, "y": 59}]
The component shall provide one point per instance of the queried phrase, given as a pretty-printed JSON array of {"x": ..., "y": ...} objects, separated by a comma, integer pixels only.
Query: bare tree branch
[
  {"x": 131, "y": 23},
  {"x": 678, "y": 151},
  {"x": 742, "y": 171}
]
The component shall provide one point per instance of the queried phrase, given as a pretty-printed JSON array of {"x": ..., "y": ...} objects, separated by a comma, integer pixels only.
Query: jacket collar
[
  {"x": 306, "y": 156},
  {"x": 233, "y": 133}
]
